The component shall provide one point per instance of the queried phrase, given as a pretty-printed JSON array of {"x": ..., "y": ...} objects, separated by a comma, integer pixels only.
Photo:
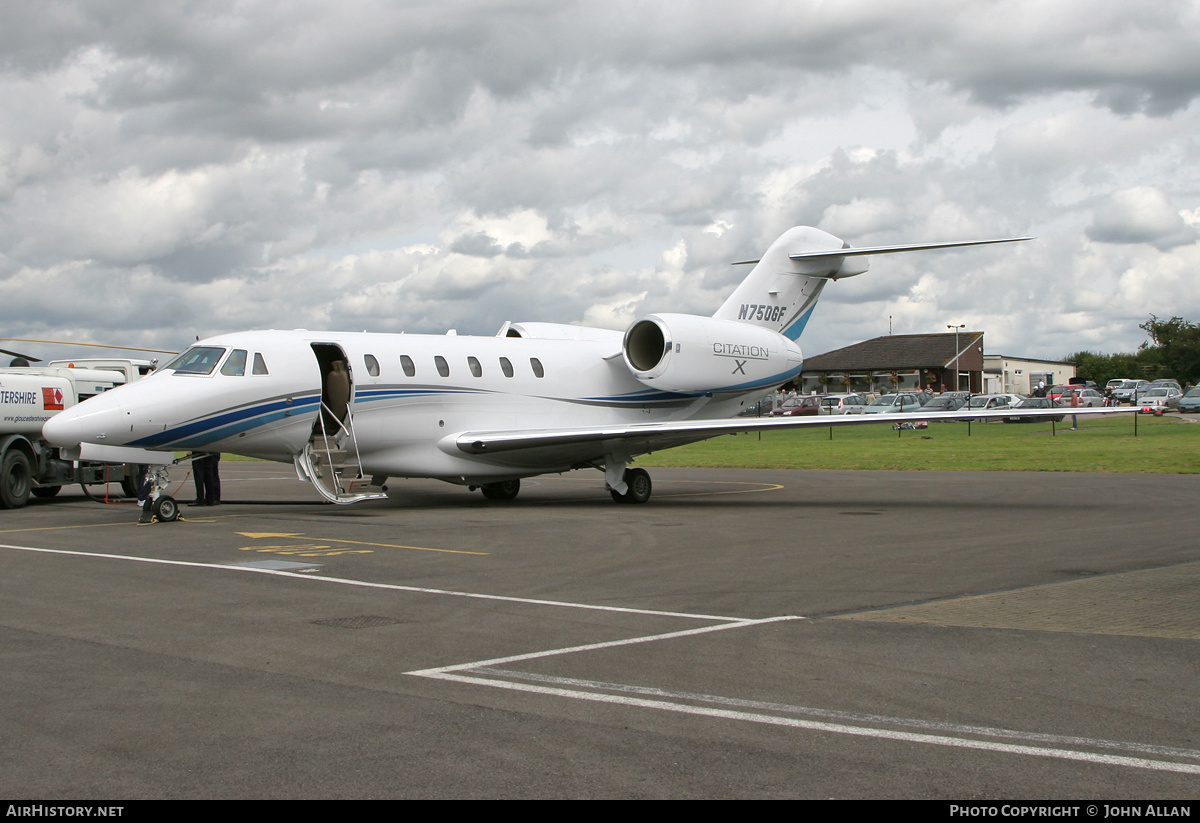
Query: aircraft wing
[{"x": 590, "y": 443}]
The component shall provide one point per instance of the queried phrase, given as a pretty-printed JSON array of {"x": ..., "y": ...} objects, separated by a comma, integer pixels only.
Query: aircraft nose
[{"x": 98, "y": 419}]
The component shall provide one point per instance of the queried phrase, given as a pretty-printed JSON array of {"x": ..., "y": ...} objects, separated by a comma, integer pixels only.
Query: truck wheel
[
  {"x": 166, "y": 509},
  {"x": 15, "y": 480},
  {"x": 129, "y": 483},
  {"x": 46, "y": 492}
]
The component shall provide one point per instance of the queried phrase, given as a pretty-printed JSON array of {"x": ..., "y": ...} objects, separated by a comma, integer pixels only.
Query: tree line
[{"x": 1173, "y": 351}]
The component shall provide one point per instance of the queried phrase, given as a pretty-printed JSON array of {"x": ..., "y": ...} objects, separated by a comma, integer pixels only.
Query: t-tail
[{"x": 782, "y": 289}]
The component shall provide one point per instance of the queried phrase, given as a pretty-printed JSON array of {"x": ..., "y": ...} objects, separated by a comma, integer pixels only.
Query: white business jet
[{"x": 352, "y": 410}]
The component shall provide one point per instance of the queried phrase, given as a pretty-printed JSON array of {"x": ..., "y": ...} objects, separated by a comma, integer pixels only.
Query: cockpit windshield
[{"x": 197, "y": 360}]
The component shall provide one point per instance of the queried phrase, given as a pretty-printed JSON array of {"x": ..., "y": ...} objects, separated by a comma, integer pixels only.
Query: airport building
[
  {"x": 1020, "y": 375},
  {"x": 900, "y": 362},
  {"x": 912, "y": 362}
]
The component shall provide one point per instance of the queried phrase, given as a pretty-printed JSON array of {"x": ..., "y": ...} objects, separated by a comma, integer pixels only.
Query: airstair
[{"x": 326, "y": 462}]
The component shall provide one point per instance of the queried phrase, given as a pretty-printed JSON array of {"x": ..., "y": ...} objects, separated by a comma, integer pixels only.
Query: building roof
[
  {"x": 1028, "y": 359},
  {"x": 897, "y": 351}
]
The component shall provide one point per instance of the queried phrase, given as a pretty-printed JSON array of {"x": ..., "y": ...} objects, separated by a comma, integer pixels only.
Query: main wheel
[
  {"x": 640, "y": 487},
  {"x": 504, "y": 490},
  {"x": 46, "y": 492},
  {"x": 15, "y": 480},
  {"x": 129, "y": 483},
  {"x": 166, "y": 509}
]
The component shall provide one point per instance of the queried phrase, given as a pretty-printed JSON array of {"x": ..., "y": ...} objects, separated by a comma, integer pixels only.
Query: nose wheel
[{"x": 638, "y": 481}]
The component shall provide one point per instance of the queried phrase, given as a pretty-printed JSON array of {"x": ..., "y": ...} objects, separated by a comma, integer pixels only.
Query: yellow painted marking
[
  {"x": 59, "y": 528},
  {"x": 257, "y": 535},
  {"x": 303, "y": 551},
  {"x": 360, "y": 543},
  {"x": 762, "y": 487},
  {"x": 396, "y": 546}
]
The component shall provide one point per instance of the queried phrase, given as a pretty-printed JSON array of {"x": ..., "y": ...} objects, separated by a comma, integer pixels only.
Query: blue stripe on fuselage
[{"x": 226, "y": 424}]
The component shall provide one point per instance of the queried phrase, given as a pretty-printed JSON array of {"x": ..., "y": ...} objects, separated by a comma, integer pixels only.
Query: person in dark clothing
[{"x": 206, "y": 474}]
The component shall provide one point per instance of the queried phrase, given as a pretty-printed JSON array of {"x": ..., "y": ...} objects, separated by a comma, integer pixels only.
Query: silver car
[
  {"x": 1128, "y": 391},
  {"x": 1190, "y": 402},
  {"x": 894, "y": 404},
  {"x": 843, "y": 404},
  {"x": 1159, "y": 400}
]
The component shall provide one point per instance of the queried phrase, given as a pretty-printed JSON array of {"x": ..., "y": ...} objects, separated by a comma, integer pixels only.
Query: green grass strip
[{"x": 1163, "y": 446}]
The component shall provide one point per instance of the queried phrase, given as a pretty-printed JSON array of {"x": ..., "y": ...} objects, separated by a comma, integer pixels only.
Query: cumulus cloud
[
  {"x": 200, "y": 168},
  {"x": 1140, "y": 215}
]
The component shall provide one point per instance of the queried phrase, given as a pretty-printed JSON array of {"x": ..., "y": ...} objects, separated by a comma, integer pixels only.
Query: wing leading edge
[{"x": 642, "y": 438}]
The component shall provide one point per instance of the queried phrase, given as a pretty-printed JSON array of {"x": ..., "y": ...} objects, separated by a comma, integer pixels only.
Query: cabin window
[
  {"x": 260, "y": 365},
  {"x": 538, "y": 371},
  {"x": 406, "y": 363},
  {"x": 197, "y": 360},
  {"x": 443, "y": 368},
  {"x": 506, "y": 367},
  {"x": 372, "y": 365},
  {"x": 476, "y": 369},
  {"x": 235, "y": 364}
]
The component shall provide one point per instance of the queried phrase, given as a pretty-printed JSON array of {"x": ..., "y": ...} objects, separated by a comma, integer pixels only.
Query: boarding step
[
  {"x": 324, "y": 467},
  {"x": 359, "y": 485}
]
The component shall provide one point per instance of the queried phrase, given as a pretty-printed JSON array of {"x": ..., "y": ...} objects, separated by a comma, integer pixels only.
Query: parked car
[
  {"x": 1087, "y": 397},
  {"x": 1128, "y": 391},
  {"x": 893, "y": 404},
  {"x": 1035, "y": 403},
  {"x": 1190, "y": 402},
  {"x": 842, "y": 404},
  {"x": 799, "y": 406},
  {"x": 944, "y": 403},
  {"x": 760, "y": 409},
  {"x": 985, "y": 402},
  {"x": 1159, "y": 400}
]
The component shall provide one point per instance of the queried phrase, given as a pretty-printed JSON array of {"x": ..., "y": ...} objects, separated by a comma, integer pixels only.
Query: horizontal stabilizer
[{"x": 857, "y": 252}]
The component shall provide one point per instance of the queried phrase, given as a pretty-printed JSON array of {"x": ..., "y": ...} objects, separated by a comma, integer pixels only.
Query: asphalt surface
[{"x": 744, "y": 634}]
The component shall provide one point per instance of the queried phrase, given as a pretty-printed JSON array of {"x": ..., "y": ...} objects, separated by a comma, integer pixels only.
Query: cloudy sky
[{"x": 173, "y": 169}]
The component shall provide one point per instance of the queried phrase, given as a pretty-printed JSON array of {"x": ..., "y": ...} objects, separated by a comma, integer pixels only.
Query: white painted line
[
  {"x": 834, "y": 728},
  {"x": 448, "y": 673},
  {"x": 855, "y": 717},
  {"x": 440, "y": 670},
  {"x": 366, "y": 585}
]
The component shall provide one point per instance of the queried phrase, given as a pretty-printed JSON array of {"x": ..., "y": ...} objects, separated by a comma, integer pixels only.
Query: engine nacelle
[{"x": 687, "y": 353}]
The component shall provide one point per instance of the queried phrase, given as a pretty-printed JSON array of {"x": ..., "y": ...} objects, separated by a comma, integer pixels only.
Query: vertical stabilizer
[{"x": 780, "y": 293}]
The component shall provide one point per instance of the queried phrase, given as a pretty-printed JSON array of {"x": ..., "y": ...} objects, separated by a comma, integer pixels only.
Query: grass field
[{"x": 1163, "y": 446}]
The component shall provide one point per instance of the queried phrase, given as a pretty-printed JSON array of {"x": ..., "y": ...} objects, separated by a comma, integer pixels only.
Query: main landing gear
[
  {"x": 638, "y": 487},
  {"x": 627, "y": 486},
  {"x": 504, "y": 490}
]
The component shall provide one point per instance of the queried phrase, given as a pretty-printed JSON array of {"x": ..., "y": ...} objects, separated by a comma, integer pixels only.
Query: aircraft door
[
  {"x": 331, "y": 460},
  {"x": 337, "y": 388}
]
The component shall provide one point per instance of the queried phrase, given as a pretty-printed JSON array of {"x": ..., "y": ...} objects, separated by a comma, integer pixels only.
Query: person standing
[{"x": 206, "y": 474}]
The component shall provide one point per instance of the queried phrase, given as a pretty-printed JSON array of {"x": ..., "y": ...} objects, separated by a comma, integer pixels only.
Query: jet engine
[{"x": 687, "y": 353}]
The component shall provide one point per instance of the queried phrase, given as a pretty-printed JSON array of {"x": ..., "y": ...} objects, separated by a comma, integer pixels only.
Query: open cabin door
[{"x": 331, "y": 460}]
